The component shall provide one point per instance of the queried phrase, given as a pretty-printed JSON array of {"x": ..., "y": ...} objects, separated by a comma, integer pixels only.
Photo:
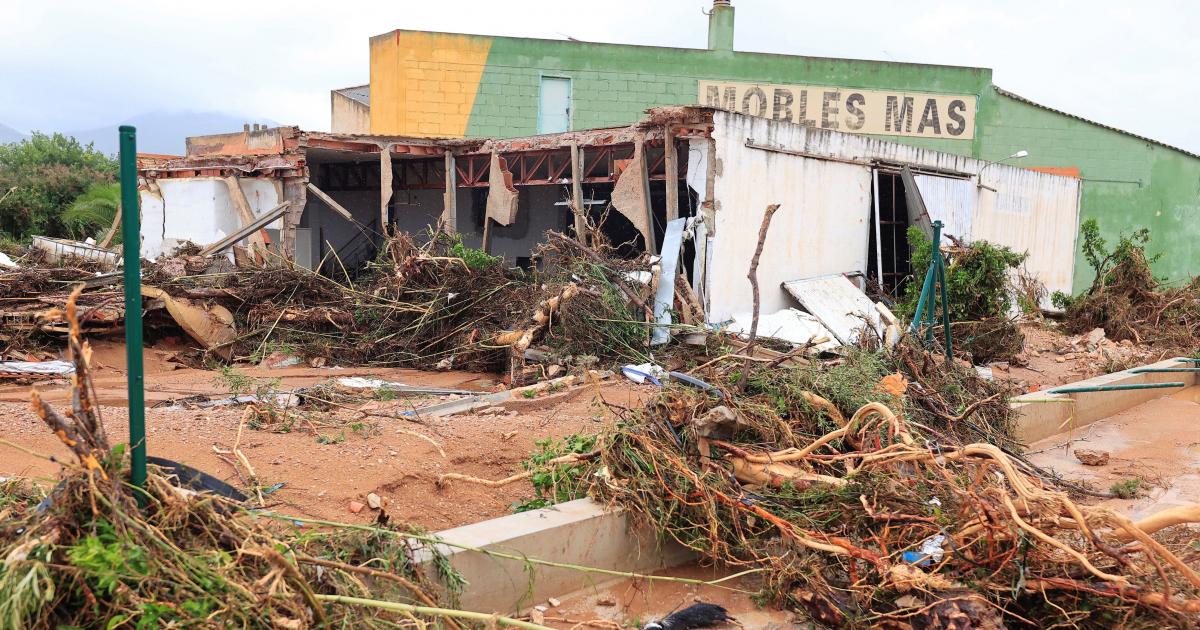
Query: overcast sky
[{"x": 72, "y": 64}]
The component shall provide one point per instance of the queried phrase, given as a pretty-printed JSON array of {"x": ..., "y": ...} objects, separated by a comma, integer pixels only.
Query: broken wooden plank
[
  {"x": 385, "y": 185},
  {"x": 247, "y": 230},
  {"x": 671, "y": 164},
  {"x": 112, "y": 230},
  {"x": 330, "y": 201},
  {"x": 577, "y": 205},
  {"x": 245, "y": 214},
  {"x": 450, "y": 198}
]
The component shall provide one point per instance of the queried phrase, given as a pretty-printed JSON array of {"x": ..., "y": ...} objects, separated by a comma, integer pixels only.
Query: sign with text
[{"x": 875, "y": 112}]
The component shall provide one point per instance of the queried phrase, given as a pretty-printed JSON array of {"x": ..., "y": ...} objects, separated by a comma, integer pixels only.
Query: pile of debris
[
  {"x": 1129, "y": 303},
  {"x": 98, "y": 552},
  {"x": 858, "y": 510},
  {"x": 433, "y": 304}
]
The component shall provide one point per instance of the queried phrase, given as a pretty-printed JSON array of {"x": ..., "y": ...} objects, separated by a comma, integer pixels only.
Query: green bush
[
  {"x": 977, "y": 282},
  {"x": 45, "y": 174}
]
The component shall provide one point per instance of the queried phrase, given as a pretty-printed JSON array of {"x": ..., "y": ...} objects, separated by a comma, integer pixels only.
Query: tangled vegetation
[
  {"x": 860, "y": 511},
  {"x": 97, "y": 552},
  {"x": 1127, "y": 301},
  {"x": 979, "y": 294}
]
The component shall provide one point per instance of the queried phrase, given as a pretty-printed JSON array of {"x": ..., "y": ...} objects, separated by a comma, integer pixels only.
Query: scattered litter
[
  {"x": 930, "y": 552},
  {"x": 643, "y": 372},
  {"x": 358, "y": 382}
]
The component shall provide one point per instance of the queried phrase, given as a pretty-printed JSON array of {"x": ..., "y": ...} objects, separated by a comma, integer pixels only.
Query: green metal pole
[
  {"x": 1111, "y": 388},
  {"x": 131, "y": 237},
  {"x": 934, "y": 257},
  {"x": 1188, "y": 360},
  {"x": 941, "y": 266}
]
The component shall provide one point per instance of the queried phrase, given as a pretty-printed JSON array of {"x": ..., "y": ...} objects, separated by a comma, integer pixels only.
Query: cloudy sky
[{"x": 72, "y": 64}]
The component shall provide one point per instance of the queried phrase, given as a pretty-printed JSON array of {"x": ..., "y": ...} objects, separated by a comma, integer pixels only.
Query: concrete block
[
  {"x": 580, "y": 532},
  {"x": 1038, "y": 420}
]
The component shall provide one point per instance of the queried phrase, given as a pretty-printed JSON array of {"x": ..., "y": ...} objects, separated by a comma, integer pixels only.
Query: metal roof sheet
[
  {"x": 360, "y": 93},
  {"x": 1017, "y": 97}
]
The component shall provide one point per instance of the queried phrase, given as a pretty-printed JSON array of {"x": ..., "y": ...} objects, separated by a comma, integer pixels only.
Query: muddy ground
[
  {"x": 347, "y": 457},
  {"x": 332, "y": 458}
]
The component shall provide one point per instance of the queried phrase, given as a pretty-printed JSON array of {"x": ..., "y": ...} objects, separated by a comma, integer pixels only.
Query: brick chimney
[{"x": 720, "y": 26}]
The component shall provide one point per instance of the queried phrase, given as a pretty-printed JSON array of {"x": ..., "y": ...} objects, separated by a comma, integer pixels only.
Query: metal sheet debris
[
  {"x": 664, "y": 296},
  {"x": 840, "y": 305},
  {"x": 57, "y": 249},
  {"x": 39, "y": 368}
]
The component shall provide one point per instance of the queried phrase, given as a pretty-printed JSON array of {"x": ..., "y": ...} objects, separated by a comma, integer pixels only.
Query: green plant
[
  {"x": 977, "y": 278},
  {"x": 233, "y": 381},
  {"x": 475, "y": 259},
  {"x": 92, "y": 213},
  {"x": 529, "y": 393},
  {"x": 1103, "y": 262},
  {"x": 108, "y": 562},
  {"x": 1127, "y": 489},
  {"x": 323, "y": 438},
  {"x": 556, "y": 483}
]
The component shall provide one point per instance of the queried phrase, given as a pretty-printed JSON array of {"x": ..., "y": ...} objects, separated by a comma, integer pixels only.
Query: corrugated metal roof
[
  {"x": 1003, "y": 92},
  {"x": 360, "y": 93}
]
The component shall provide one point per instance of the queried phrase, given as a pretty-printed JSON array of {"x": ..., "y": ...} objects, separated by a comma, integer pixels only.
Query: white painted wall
[
  {"x": 198, "y": 209},
  {"x": 822, "y": 224},
  {"x": 1036, "y": 213}
]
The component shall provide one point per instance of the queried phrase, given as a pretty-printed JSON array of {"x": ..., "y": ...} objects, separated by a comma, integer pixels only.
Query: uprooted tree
[{"x": 1126, "y": 300}]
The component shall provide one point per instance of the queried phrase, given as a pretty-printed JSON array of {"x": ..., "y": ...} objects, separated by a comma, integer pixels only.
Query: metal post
[
  {"x": 131, "y": 249},
  {"x": 1113, "y": 388},
  {"x": 935, "y": 257}
]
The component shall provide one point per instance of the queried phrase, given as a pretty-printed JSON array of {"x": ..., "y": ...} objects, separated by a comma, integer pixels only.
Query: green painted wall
[
  {"x": 1152, "y": 186},
  {"x": 613, "y": 85}
]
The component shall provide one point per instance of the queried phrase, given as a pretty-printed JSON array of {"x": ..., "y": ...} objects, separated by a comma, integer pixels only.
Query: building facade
[{"x": 451, "y": 85}]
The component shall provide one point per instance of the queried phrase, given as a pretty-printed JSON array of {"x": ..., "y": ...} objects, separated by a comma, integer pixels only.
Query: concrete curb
[
  {"x": 580, "y": 532},
  {"x": 1038, "y": 420}
]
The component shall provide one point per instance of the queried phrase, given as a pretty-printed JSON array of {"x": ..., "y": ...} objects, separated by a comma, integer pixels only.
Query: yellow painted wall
[{"x": 424, "y": 84}]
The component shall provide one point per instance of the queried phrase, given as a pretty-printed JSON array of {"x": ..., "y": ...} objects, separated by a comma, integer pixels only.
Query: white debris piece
[
  {"x": 790, "y": 325},
  {"x": 56, "y": 368}
]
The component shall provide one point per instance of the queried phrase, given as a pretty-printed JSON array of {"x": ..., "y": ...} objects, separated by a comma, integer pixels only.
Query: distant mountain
[
  {"x": 164, "y": 132},
  {"x": 8, "y": 134}
]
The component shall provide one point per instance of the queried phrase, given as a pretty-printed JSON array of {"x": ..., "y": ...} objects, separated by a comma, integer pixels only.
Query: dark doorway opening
[{"x": 889, "y": 261}]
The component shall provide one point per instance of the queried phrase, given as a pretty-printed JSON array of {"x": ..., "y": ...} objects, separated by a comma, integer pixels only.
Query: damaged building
[
  {"x": 688, "y": 183},
  {"x": 455, "y": 85}
]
